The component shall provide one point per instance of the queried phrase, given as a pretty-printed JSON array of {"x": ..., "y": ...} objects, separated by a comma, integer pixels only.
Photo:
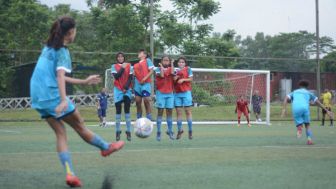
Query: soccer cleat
[
  {"x": 128, "y": 135},
  {"x": 113, "y": 147},
  {"x": 190, "y": 135},
  {"x": 179, "y": 134},
  {"x": 238, "y": 125},
  {"x": 309, "y": 142},
  {"x": 73, "y": 181},
  {"x": 260, "y": 120},
  {"x": 118, "y": 135},
  {"x": 158, "y": 136},
  {"x": 171, "y": 135},
  {"x": 299, "y": 133},
  {"x": 249, "y": 125}
]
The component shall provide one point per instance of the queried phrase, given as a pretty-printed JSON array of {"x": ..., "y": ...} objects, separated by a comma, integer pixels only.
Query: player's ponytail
[{"x": 59, "y": 29}]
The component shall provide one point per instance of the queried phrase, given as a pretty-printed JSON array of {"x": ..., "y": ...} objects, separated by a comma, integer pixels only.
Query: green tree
[{"x": 328, "y": 63}]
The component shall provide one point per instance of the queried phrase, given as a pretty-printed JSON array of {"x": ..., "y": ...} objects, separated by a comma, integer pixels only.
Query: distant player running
[
  {"x": 301, "y": 98},
  {"x": 123, "y": 75},
  {"x": 242, "y": 108},
  {"x": 142, "y": 83},
  {"x": 326, "y": 98},
  {"x": 164, "y": 94},
  {"x": 48, "y": 95},
  {"x": 183, "y": 97}
]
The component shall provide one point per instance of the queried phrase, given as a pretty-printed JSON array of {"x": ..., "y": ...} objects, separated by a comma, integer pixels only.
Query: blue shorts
[
  {"x": 118, "y": 95},
  {"x": 183, "y": 99},
  {"x": 50, "y": 111},
  {"x": 142, "y": 90},
  {"x": 164, "y": 100},
  {"x": 301, "y": 116},
  {"x": 101, "y": 112}
]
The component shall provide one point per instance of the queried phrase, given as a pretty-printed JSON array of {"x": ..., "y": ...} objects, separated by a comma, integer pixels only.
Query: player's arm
[
  {"x": 148, "y": 75},
  {"x": 236, "y": 107},
  {"x": 92, "y": 79},
  {"x": 129, "y": 81},
  {"x": 318, "y": 103},
  {"x": 284, "y": 106},
  {"x": 121, "y": 71},
  {"x": 61, "y": 87},
  {"x": 160, "y": 71}
]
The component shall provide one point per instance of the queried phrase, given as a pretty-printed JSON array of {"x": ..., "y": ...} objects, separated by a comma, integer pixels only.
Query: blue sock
[
  {"x": 149, "y": 116},
  {"x": 139, "y": 115},
  {"x": 158, "y": 123},
  {"x": 309, "y": 133},
  {"x": 179, "y": 125},
  {"x": 170, "y": 124},
  {"x": 128, "y": 122},
  {"x": 99, "y": 142},
  {"x": 65, "y": 159},
  {"x": 189, "y": 124},
  {"x": 117, "y": 121}
]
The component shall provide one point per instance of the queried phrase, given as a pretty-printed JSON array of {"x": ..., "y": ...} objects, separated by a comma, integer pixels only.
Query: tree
[{"x": 328, "y": 63}]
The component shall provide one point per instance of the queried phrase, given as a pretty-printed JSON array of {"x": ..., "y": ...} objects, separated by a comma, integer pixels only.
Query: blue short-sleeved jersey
[
  {"x": 43, "y": 83},
  {"x": 102, "y": 98}
]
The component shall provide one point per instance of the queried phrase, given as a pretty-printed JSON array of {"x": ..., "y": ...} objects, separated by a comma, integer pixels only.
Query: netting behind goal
[{"x": 215, "y": 92}]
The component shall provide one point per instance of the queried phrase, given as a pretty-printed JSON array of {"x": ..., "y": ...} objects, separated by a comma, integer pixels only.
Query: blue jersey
[
  {"x": 43, "y": 83},
  {"x": 102, "y": 98},
  {"x": 301, "y": 99}
]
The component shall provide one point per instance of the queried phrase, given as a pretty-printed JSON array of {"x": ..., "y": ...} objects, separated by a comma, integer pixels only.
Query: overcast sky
[{"x": 247, "y": 17}]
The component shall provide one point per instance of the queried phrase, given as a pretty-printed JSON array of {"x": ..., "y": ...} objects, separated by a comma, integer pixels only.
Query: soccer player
[
  {"x": 242, "y": 107},
  {"x": 256, "y": 103},
  {"x": 301, "y": 99},
  {"x": 48, "y": 95},
  {"x": 142, "y": 83},
  {"x": 164, "y": 94},
  {"x": 102, "y": 106},
  {"x": 182, "y": 97},
  {"x": 326, "y": 98},
  {"x": 123, "y": 75}
]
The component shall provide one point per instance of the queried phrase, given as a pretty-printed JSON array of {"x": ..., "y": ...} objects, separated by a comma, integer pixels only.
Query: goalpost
[{"x": 215, "y": 91}]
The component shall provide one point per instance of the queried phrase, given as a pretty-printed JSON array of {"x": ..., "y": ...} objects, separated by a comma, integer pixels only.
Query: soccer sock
[
  {"x": 128, "y": 122},
  {"x": 170, "y": 124},
  {"x": 99, "y": 142},
  {"x": 158, "y": 123},
  {"x": 248, "y": 119},
  {"x": 139, "y": 115},
  {"x": 238, "y": 120},
  {"x": 179, "y": 125},
  {"x": 331, "y": 121},
  {"x": 322, "y": 121},
  {"x": 65, "y": 159},
  {"x": 309, "y": 133},
  {"x": 117, "y": 121},
  {"x": 149, "y": 116},
  {"x": 189, "y": 121}
]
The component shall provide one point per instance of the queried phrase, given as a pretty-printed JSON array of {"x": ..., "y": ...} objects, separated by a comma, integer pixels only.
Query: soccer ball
[{"x": 143, "y": 127}]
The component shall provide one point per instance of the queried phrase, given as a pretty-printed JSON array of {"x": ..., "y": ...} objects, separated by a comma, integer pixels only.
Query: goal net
[{"x": 215, "y": 92}]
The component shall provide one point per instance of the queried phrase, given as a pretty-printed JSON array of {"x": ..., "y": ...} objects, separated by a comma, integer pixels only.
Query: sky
[{"x": 247, "y": 17}]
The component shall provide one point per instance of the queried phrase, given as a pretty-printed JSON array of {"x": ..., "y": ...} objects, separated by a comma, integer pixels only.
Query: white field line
[
  {"x": 167, "y": 149},
  {"x": 9, "y": 131}
]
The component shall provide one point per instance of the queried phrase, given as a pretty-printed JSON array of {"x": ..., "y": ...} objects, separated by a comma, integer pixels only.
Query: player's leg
[
  {"x": 63, "y": 152},
  {"x": 238, "y": 116},
  {"x": 331, "y": 119},
  {"x": 118, "y": 119},
  {"x": 147, "y": 102},
  {"x": 169, "y": 105},
  {"x": 104, "y": 117},
  {"x": 127, "y": 107},
  {"x": 323, "y": 116},
  {"x": 76, "y": 122},
  {"x": 309, "y": 134},
  {"x": 99, "y": 112},
  {"x": 189, "y": 120},
  {"x": 158, "y": 123},
  {"x": 138, "y": 103},
  {"x": 246, "y": 114}
]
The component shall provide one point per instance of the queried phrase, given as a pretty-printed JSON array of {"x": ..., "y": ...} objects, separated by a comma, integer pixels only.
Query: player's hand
[
  {"x": 61, "y": 107},
  {"x": 124, "y": 64},
  {"x": 330, "y": 114},
  {"x": 161, "y": 66},
  {"x": 93, "y": 80},
  {"x": 283, "y": 113},
  {"x": 143, "y": 81},
  {"x": 180, "y": 81}
]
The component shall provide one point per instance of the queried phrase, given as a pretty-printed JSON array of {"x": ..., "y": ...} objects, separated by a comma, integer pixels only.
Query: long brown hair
[{"x": 58, "y": 30}]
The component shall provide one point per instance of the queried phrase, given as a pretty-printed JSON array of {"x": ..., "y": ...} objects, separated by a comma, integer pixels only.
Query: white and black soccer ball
[{"x": 143, "y": 127}]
